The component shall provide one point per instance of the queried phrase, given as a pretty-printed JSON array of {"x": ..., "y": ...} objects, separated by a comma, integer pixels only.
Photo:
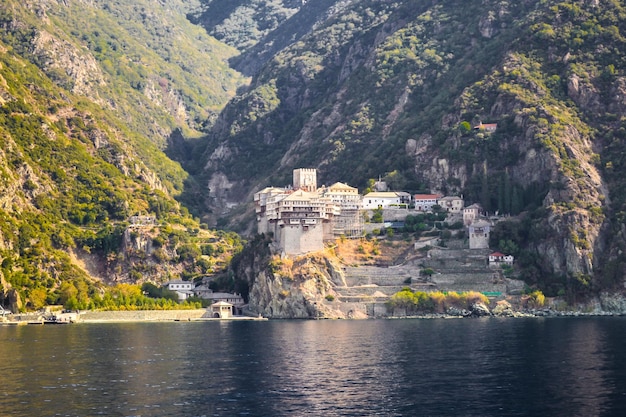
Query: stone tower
[{"x": 305, "y": 179}]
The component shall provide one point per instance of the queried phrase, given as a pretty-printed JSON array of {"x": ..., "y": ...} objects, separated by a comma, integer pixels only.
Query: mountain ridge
[
  {"x": 87, "y": 194},
  {"x": 111, "y": 110},
  {"x": 382, "y": 87}
]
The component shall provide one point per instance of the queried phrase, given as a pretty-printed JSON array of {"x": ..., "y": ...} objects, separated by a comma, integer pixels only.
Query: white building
[
  {"x": 268, "y": 195},
  {"x": 221, "y": 310},
  {"x": 349, "y": 222},
  {"x": 486, "y": 127},
  {"x": 425, "y": 202},
  {"x": 386, "y": 199},
  {"x": 451, "y": 204},
  {"x": 479, "y": 234},
  {"x": 498, "y": 259},
  {"x": 184, "y": 289}
]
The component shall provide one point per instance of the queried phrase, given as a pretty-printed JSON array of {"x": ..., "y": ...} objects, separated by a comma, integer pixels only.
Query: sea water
[{"x": 412, "y": 367}]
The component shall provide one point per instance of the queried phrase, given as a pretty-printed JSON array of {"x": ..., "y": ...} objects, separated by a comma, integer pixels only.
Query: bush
[
  {"x": 536, "y": 299},
  {"x": 426, "y": 272},
  {"x": 435, "y": 301}
]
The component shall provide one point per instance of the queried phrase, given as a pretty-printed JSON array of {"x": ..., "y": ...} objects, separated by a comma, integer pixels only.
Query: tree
[
  {"x": 507, "y": 192},
  {"x": 395, "y": 180},
  {"x": 508, "y": 247},
  {"x": 485, "y": 195},
  {"x": 67, "y": 292},
  {"x": 465, "y": 127},
  {"x": 37, "y": 297},
  {"x": 377, "y": 216},
  {"x": 426, "y": 272}
]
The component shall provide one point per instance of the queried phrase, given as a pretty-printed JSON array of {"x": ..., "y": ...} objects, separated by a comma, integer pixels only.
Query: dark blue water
[{"x": 481, "y": 367}]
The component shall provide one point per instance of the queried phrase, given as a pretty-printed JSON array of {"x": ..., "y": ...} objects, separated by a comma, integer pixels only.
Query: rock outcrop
[{"x": 298, "y": 288}]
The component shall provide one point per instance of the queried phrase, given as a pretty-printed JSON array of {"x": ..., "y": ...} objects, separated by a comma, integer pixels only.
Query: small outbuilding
[{"x": 221, "y": 310}]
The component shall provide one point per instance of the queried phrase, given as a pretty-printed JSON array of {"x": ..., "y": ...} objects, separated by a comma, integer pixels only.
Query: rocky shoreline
[
  {"x": 544, "y": 313},
  {"x": 606, "y": 305}
]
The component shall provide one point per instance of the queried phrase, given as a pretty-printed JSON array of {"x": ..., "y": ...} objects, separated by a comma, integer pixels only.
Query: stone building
[
  {"x": 471, "y": 213},
  {"x": 451, "y": 204},
  {"x": 305, "y": 179},
  {"x": 303, "y": 217},
  {"x": 479, "y": 234}
]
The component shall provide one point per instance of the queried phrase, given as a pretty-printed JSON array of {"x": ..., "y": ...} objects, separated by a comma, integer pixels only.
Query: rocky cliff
[
  {"x": 400, "y": 88},
  {"x": 300, "y": 287}
]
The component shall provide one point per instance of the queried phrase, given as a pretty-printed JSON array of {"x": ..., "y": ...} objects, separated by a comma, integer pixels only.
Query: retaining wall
[
  {"x": 368, "y": 275},
  {"x": 142, "y": 315}
]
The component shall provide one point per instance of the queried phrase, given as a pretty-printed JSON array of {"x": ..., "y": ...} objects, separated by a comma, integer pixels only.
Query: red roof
[
  {"x": 497, "y": 254},
  {"x": 486, "y": 126},
  {"x": 426, "y": 196}
]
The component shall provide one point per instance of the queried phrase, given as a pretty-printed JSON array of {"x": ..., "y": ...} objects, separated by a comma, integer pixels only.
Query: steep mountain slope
[
  {"x": 89, "y": 94},
  {"x": 260, "y": 29},
  {"x": 376, "y": 87}
]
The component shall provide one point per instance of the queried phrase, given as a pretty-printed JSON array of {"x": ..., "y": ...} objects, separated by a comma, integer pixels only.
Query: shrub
[
  {"x": 426, "y": 272},
  {"x": 536, "y": 299}
]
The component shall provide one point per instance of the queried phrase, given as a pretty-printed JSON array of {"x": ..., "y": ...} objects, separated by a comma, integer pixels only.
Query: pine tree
[{"x": 485, "y": 196}]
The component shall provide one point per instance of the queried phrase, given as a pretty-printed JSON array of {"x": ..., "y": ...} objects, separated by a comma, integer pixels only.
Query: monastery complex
[{"x": 303, "y": 216}]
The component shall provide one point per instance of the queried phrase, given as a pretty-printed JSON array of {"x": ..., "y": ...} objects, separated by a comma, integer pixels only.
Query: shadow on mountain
[
  {"x": 213, "y": 12},
  {"x": 289, "y": 32},
  {"x": 188, "y": 153}
]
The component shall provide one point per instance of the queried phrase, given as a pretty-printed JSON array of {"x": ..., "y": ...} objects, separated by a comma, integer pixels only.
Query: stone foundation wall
[
  {"x": 142, "y": 315},
  {"x": 296, "y": 239}
]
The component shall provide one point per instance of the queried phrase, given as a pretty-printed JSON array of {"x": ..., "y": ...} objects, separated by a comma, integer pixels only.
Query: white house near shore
[
  {"x": 221, "y": 310},
  {"x": 184, "y": 289}
]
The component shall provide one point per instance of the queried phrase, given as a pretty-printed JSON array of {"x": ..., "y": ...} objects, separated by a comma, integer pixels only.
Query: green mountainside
[
  {"x": 395, "y": 88},
  {"x": 118, "y": 119},
  {"x": 90, "y": 94}
]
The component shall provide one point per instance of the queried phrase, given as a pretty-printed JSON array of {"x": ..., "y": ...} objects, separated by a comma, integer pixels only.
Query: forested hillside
[
  {"x": 90, "y": 94},
  {"x": 114, "y": 127},
  {"x": 396, "y": 88}
]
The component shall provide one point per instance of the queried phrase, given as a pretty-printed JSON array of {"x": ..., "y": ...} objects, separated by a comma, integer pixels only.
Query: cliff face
[
  {"x": 398, "y": 87},
  {"x": 296, "y": 288},
  {"x": 287, "y": 288}
]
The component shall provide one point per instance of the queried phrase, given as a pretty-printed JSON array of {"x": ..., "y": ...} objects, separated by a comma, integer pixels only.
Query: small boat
[
  {"x": 63, "y": 318},
  {"x": 53, "y": 320}
]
